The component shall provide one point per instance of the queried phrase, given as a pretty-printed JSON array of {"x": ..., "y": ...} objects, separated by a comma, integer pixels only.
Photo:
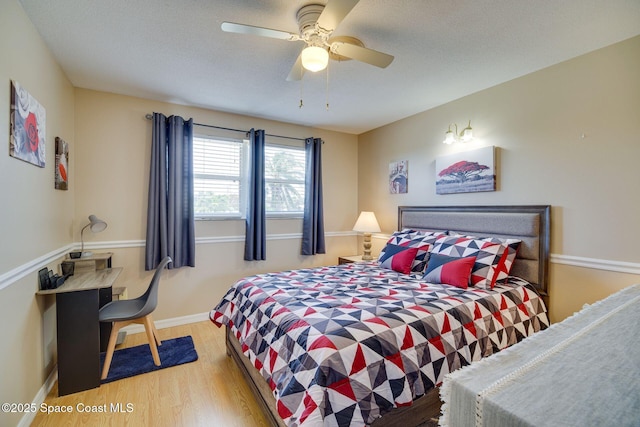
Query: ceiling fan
[{"x": 316, "y": 23}]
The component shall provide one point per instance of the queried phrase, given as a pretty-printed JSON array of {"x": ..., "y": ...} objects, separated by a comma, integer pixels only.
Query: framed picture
[
  {"x": 399, "y": 177},
  {"x": 27, "y": 127},
  {"x": 466, "y": 172},
  {"x": 62, "y": 165}
]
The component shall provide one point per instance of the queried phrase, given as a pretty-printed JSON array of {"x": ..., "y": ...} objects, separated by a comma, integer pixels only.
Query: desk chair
[{"x": 138, "y": 310}]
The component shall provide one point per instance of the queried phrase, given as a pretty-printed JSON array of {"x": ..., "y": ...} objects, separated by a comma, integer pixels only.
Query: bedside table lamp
[
  {"x": 367, "y": 224},
  {"x": 96, "y": 225}
]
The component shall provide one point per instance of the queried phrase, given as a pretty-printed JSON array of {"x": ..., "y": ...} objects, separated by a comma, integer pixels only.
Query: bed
[
  {"x": 369, "y": 343},
  {"x": 587, "y": 366}
]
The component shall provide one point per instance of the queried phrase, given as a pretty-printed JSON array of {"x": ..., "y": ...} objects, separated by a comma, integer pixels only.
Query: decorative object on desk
[
  {"x": 67, "y": 268},
  {"x": 399, "y": 177},
  {"x": 367, "y": 224},
  {"x": 132, "y": 361},
  {"x": 137, "y": 310},
  {"x": 466, "y": 172},
  {"x": 96, "y": 225},
  {"x": 27, "y": 127},
  {"x": 43, "y": 278},
  {"x": 62, "y": 165},
  {"x": 49, "y": 280}
]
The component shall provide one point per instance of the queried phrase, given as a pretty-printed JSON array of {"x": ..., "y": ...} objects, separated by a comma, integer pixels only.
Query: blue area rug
[{"x": 132, "y": 361}]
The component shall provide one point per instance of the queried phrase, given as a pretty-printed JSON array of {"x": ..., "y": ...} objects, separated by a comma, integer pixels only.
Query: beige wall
[
  {"x": 112, "y": 163},
  {"x": 538, "y": 122},
  {"x": 35, "y": 219}
]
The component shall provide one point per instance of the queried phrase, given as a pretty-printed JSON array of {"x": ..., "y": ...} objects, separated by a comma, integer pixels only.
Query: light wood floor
[{"x": 210, "y": 391}]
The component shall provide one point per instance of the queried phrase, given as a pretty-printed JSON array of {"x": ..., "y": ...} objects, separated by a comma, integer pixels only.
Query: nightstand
[{"x": 349, "y": 259}]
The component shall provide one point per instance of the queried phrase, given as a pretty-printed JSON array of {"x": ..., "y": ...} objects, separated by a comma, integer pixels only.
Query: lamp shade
[
  {"x": 367, "y": 223},
  {"x": 96, "y": 224},
  {"x": 314, "y": 58}
]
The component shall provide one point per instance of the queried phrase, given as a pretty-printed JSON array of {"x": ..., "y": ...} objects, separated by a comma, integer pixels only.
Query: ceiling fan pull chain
[
  {"x": 301, "y": 104},
  {"x": 327, "y": 89}
]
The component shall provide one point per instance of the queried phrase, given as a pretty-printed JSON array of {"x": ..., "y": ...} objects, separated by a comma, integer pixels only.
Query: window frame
[
  {"x": 242, "y": 179},
  {"x": 243, "y": 182},
  {"x": 287, "y": 214}
]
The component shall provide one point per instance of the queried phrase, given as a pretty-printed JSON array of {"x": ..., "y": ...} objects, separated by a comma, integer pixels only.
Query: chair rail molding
[
  {"x": 577, "y": 261},
  {"x": 15, "y": 274}
]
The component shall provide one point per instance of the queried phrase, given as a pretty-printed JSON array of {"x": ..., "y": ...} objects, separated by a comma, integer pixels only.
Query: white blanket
[{"x": 584, "y": 371}]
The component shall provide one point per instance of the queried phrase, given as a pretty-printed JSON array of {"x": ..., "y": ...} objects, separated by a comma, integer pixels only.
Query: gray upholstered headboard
[{"x": 531, "y": 224}]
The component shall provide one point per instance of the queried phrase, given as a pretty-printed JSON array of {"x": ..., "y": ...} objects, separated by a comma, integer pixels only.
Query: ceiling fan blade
[
  {"x": 297, "y": 71},
  {"x": 232, "y": 27},
  {"x": 362, "y": 54},
  {"x": 334, "y": 12}
]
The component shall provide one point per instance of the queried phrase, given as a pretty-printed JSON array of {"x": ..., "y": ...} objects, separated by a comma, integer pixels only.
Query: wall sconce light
[
  {"x": 367, "y": 224},
  {"x": 315, "y": 58},
  {"x": 465, "y": 136},
  {"x": 96, "y": 225}
]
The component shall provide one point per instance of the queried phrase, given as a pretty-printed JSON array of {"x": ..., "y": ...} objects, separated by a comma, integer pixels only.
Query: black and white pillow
[
  {"x": 488, "y": 257},
  {"x": 422, "y": 241}
]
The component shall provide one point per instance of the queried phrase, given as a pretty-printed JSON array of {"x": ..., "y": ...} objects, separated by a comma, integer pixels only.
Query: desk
[{"x": 79, "y": 331}]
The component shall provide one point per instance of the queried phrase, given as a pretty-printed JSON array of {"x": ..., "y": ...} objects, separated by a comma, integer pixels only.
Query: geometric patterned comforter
[{"x": 343, "y": 345}]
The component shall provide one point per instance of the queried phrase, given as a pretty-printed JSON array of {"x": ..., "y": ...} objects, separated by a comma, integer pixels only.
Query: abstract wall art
[
  {"x": 27, "y": 127},
  {"x": 399, "y": 177},
  {"x": 62, "y": 165}
]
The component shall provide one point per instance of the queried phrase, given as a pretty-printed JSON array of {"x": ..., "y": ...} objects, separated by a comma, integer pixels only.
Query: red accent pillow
[
  {"x": 488, "y": 256},
  {"x": 398, "y": 258},
  {"x": 503, "y": 269},
  {"x": 449, "y": 270}
]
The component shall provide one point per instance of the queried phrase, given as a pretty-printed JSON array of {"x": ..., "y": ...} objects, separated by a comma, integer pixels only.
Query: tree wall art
[{"x": 466, "y": 172}]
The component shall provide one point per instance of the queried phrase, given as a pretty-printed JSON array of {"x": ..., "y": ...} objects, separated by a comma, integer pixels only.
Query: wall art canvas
[
  {"x": 399, "y": 177},
  {"x": 62, "y": 165},
  {"x": 466, "y": 172},
  {"x": 27, "y": 127}
]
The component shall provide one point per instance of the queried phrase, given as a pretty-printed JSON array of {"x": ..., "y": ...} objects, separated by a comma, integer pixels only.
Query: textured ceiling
[{"x": 175, "y": 51}]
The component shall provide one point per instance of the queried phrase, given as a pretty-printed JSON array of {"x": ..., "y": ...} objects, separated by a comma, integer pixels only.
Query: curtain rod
[{"x": 150, "y": 116}]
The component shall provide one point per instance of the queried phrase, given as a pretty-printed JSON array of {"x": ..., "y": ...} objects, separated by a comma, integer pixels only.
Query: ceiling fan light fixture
[{"x": 315, "y": 58}]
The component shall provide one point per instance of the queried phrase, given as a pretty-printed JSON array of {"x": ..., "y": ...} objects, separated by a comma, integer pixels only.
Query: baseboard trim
[
  {"x": 168, "y": 323},
  {"x": 28, "y": 417}
]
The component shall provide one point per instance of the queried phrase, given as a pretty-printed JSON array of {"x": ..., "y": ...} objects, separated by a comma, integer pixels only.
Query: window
[
  {"x": 284, "y": 169},
  {"x": 217, "y": 177},
  {"x": 220, "y": 173}
]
